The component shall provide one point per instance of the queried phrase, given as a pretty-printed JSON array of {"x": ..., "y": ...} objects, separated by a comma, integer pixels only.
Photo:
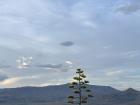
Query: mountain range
[{"x": 57, "y": 95}]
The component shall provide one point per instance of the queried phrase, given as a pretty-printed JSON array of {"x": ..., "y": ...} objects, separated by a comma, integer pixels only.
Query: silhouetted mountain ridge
[{"x": 57, "y": 95}]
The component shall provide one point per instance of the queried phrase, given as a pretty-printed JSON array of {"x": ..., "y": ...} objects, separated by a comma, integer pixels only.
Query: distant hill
[{"x": 57, "y": 95}]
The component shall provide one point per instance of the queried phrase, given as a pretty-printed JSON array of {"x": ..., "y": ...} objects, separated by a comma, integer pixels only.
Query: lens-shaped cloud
[{"x": 67, "y": 43}]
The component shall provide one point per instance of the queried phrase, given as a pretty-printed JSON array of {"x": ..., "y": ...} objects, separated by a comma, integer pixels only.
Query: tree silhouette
[{"x": 80, "y": 89}]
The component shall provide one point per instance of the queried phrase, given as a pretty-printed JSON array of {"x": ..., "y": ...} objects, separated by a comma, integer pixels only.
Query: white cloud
[
  {"x": 14, "y": 81},
  {"x": 69, "y": 62},
  {"x": 9, "y": 82},
  {"x": 24, "y": 62}
]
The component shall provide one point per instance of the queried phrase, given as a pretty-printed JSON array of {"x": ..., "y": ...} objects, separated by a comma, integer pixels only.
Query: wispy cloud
[
  {"x": 50, "y": 66},
  {"x": 129, "y": 8},
  {"x": 4, "y": 66},
  {"x": 115, "y": 73},
  {"x": 64, "y": 67}
]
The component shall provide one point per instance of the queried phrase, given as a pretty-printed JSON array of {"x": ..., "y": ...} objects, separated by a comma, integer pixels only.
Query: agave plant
[{"x": 81, "y": 93}]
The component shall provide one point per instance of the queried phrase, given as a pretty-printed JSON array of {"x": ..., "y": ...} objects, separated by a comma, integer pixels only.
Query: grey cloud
[
  {"x": 128, "y": 9},
  {"x": 67, "y": 43},
  {"x": 4, "y": 66},
  {"x": 60, "y": 67},
  {"x": 51, "y": 66},
  {"x": 3, "y": 77}
]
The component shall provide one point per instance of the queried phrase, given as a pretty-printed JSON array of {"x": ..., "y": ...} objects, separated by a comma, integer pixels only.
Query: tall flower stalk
[{"x": 81, "y": 93}]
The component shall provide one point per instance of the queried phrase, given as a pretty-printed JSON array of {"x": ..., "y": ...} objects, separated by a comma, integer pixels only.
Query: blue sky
[{"x": 43, "y": 41}]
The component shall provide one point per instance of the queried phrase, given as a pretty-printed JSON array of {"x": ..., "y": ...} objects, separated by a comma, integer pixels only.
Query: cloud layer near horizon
[{"x": 102, "y": 36}]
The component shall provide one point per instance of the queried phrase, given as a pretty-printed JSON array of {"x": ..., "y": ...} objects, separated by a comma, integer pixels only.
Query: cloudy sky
[{"x": 43, "y": 41}]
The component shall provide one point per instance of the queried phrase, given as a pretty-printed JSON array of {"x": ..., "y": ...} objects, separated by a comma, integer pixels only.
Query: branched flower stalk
[{"x": 80, "y": 89}]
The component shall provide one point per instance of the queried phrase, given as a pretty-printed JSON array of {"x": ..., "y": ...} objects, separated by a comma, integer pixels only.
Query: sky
[{"x": 42, "y": 42}]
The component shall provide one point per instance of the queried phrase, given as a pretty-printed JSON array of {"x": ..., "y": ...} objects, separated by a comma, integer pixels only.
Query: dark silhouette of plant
[{"x": 80, "y": 89}]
